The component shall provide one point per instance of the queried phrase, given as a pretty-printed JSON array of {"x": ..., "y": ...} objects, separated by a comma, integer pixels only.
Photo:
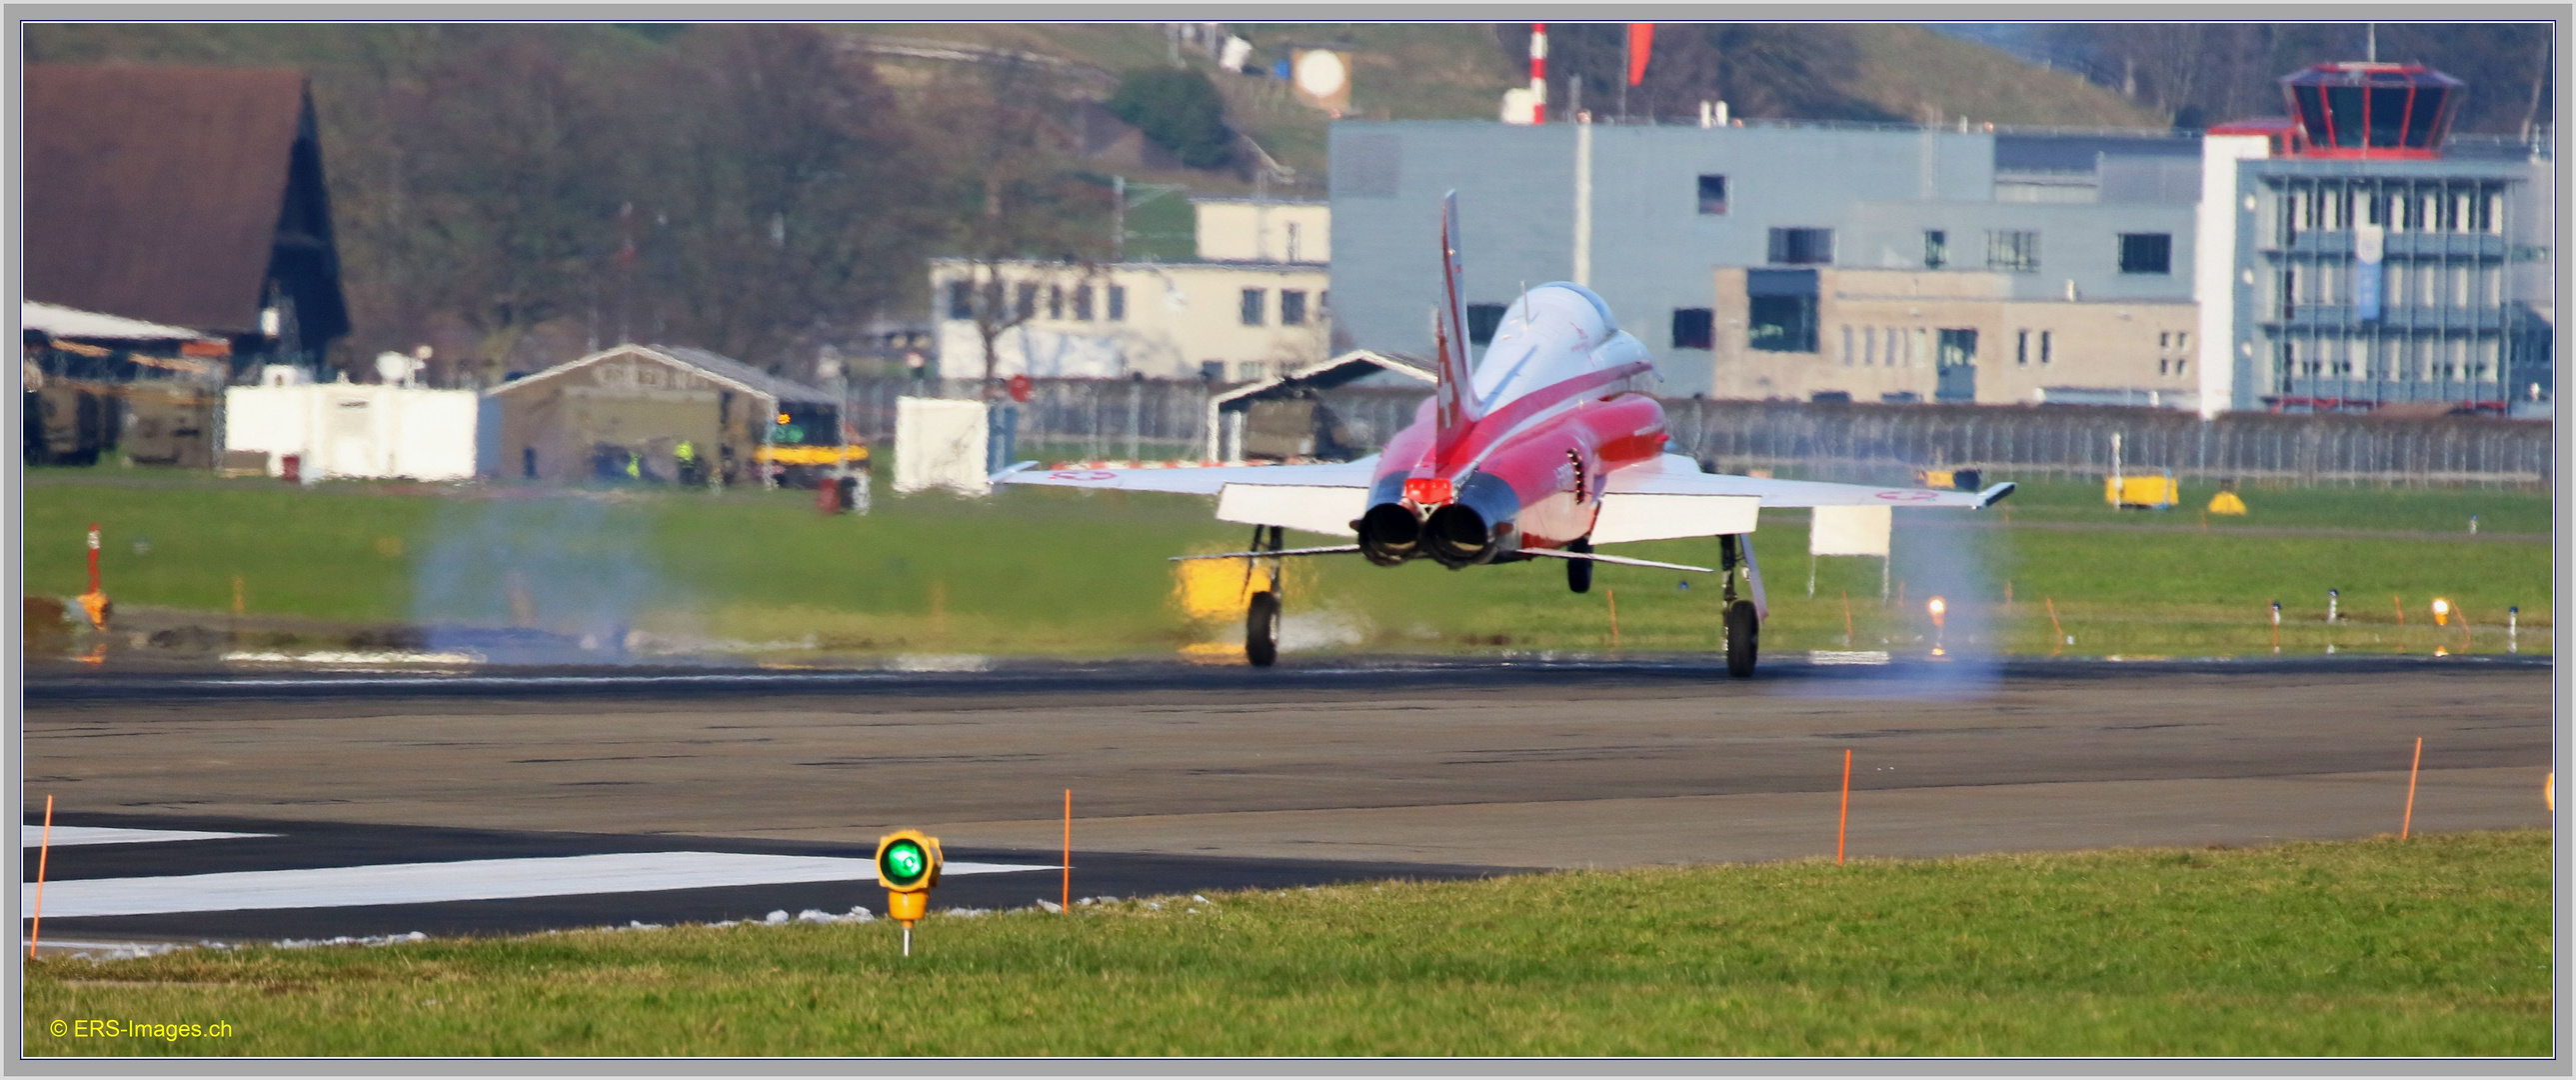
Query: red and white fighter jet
[{"x": 1547, "y": 450}]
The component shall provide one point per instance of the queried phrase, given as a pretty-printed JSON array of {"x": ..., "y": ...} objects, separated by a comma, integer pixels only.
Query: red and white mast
[{"x": 1538, "y": 73}]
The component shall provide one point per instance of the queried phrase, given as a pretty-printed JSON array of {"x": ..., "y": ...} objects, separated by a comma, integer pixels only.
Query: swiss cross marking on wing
[
  {"x": 1084, "y": 475},
  {"x": 1908, "y": 496}
]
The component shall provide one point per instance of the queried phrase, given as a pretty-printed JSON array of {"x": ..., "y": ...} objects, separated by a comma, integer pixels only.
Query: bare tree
[{"x": 1026, "y": 223}]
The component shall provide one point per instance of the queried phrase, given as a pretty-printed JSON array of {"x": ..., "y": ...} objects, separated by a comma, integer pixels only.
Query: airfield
[{"x": 708, "y": 796}]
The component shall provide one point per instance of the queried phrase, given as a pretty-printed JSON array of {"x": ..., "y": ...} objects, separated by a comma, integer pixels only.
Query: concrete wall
[
  {"x": 1651, "y": 248},
  {"x": 1247, "y": 230},
  {"x": 1878, "y": 335},
  {"x": 1178, "y": 317}
]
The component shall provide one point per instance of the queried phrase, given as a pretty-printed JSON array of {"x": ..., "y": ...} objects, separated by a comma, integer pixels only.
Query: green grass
[
  {"x": 1038, "y": 571},
  {"x": 2438, "y": 946}
]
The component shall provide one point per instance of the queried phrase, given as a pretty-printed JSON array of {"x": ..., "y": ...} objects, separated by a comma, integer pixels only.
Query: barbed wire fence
[{"x": 1132, "y": 420}]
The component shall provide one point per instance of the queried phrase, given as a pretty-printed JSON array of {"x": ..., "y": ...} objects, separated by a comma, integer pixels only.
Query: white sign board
[
  {"x": 356, "y": 430},
  {"x": 1851, "y": 530},
  {"x": 939, "y": 442}
]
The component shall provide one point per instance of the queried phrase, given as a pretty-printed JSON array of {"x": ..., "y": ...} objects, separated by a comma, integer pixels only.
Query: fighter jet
[{"x": 1546, "y": 448}]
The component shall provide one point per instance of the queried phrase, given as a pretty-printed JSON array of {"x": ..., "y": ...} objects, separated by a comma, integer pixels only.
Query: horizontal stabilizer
[
  {"x": 1343, "y": 550},
  {"x": 1314, "y": 508},
  {"x": 1203, "y": 479},
  {"x": 1995, "y": 494},
  {"x": 1597, "y": 557}
]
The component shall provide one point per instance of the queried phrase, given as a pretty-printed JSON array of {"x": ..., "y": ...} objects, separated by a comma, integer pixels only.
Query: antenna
[{"x": 1525, "y": 305}]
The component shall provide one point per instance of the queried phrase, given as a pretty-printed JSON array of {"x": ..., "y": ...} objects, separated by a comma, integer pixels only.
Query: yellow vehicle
[{"x": 2153, "y": 491}]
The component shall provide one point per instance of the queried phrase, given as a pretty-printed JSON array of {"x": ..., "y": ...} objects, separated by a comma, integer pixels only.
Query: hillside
[{"x": 1909, "y": 69}]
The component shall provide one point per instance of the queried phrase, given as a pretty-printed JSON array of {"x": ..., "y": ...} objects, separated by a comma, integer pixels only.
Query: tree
[
  {"x": 1025, "y": 221},
  {"x": 505, "y": 197},
  {"x": 1180, "y": 110},
  {"x": 779, "y": 191}
]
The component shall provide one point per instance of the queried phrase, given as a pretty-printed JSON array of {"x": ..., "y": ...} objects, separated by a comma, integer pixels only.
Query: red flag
[{"x": 1641, "y": 41}]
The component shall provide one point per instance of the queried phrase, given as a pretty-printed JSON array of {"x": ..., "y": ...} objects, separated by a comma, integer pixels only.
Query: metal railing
[{"x": 1127, "y": 420}]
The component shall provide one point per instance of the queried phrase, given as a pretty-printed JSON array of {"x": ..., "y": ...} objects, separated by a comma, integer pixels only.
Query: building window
[
  {"x": 1027, "y": 308},
  {"x": 1055, "y": 301},
  {"x": 1482, "y": 321},
  {"x": 2013, "y": 250},
  {"x": 2047, "y": 351},
  {"x": 1936, "y": 249},
  {"x": 1802, "y": 247},
  {"x": 1212, "y": 370},
  {"x": 1292, "y": 307},
  {"x": 1694, "y": 328},
  {"x": 1292, "y": 242},
  {"x": 1783, "y": 324},
  {"x": 1247, "y": 370},
  {"x": 1255, "y": 303},
  {"x": 2021, "y": 349},
  {"x": 1082, "y": 302},
  {"x": 1712, "y": 194},
  {"x": 1118, "y": 303},
  {"x": 961, "y": 300},
  {"x": 2146, "y": 253},
  {"x": 1847, "y": 346}
]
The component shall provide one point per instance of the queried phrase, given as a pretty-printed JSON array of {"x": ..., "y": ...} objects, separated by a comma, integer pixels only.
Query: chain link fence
[{"x": 1129, "y": 420}]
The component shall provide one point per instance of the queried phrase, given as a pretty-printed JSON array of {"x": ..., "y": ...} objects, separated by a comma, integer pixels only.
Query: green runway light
[{"x": 905, "y": 863}]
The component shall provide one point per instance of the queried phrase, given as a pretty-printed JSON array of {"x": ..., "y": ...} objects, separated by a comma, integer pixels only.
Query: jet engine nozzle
[
  {"x": 1390, "y": 533},
  {"x": 1458, "y": 536}
]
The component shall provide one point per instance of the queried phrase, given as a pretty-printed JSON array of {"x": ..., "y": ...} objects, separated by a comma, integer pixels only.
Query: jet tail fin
[{"x": 1457, "y": 410}]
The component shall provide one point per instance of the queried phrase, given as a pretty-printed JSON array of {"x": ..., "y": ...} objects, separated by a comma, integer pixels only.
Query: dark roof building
[{"x": 186, "y": 196}]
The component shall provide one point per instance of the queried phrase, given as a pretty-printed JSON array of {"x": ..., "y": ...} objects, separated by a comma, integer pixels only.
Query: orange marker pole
[
  {"x": 44, "y": 849},
  {"x": 1840, "y": 827},
  {"x": 1847, "y": 623},
  {"x": 2057, "y": 631},
  {"x": 1068, "y": 849},
  {"x": 1613, "y": 594},
  {"x": 2408, "y": 826}
]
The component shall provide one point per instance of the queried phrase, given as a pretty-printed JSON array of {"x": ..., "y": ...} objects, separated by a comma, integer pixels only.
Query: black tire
[
  {"x": 1743, "y": 638},
  {"x": 1261, "y": 630},
  {"x": 1578, "y": 572}
]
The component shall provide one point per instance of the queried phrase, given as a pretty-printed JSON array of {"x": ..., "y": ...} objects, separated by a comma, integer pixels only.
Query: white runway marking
[
  {"x": 445, "y": 882},
  {"x": 77, "y": 835}
]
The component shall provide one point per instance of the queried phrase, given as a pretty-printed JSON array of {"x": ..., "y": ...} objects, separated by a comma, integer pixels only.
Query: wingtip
[
  {"x": 1995, "y": 494},
  {"x": 1009, "y": 471}
]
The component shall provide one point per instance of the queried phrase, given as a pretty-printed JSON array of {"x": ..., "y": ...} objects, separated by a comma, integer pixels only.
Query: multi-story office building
[
  {"x": 2367, "y": 259},
  {"x": 1253, "y": 304},
  {"x": 2211, "y": 272}
]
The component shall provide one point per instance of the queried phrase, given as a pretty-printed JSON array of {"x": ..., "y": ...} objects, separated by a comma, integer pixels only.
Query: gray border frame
[{"x": 12, "y": 490}]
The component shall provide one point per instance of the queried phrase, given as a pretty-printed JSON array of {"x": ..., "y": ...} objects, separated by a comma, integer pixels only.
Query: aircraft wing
[
  {"x": 1673, "y": 474},
  {"x": 1204, "y": 480},
  {"x": 1311, "y": 498}
]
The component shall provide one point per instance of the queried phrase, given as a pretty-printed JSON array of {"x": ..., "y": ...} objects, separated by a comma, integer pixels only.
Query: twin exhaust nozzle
[{"x": 1453, "y": 534}]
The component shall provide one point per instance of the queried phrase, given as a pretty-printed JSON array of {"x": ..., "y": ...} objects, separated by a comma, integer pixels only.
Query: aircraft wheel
[
  {"x": 1743, "y": 638},
  {"x": 1261, "y": 630},
  {"x": 1578, "y": 572}
]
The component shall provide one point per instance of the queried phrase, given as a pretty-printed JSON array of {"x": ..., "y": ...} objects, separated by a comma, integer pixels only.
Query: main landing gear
[
  {"x": 1743, "y": 624},
  {"x": 1261, "y": 618},
  {"x": 1578, "y": 572}
]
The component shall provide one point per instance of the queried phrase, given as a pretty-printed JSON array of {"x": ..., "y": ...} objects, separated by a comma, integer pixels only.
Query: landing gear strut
[
  {"x": 1261, "y": 619},
  {"x": 1743, "y": 624}
]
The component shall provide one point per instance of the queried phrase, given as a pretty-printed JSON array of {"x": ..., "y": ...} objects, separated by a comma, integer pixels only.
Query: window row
[
  {"x": 2401, "y": 285},
  {"x": 2013, "y": 251},
  {"x": 1255, "y": 309},
  {"x": 2321, "y": 208},
  {"x": 1025, "y": 297},
  {"x": 2398, "y": 359}
]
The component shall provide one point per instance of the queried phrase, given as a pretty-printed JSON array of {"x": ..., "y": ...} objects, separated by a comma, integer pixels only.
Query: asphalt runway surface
[{"x": 513, "y": 800}]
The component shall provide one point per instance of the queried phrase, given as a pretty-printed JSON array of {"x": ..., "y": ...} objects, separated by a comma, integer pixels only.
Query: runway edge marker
[
  {"x": 1068, "y": 851},
  {"x": 1843, "y": 825},
  {"x": 2407, "y": 826},
  {"x": 44, "y": 851}
]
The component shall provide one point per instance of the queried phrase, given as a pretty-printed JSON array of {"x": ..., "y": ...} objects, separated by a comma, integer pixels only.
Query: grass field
[
  {"x": 1039, "y": 571},
  {"x": 2437, "y": 946}
]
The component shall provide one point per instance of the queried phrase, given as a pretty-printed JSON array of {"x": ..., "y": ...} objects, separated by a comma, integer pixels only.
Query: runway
[{"x": 696, "y": 795}]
